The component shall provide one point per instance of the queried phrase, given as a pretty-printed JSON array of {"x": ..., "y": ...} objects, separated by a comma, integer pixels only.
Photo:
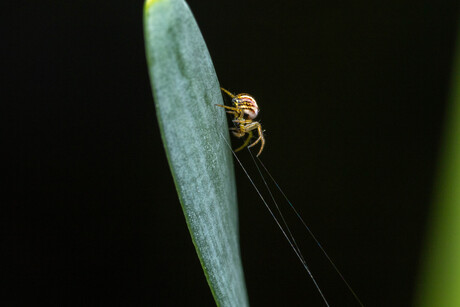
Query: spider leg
[
  {"x": 237, "y": 132},
  {"x": 237, "y": 113},
  {"x": 242, "y": 121},
  {"x": 260, "y": 139},
  {"x": 245, "y": 142},
  {"x": 227, "y": 92},
  {"x": 248, "y": 129},
  {"x": 229, "y": 108},
  {"x": 252, "y": 126}
]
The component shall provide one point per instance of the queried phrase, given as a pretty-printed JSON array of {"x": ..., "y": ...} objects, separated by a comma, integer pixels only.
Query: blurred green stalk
[{"x": 439, "y": 282}]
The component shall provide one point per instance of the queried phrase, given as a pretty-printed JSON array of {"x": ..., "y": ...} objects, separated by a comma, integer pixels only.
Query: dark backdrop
[{"x": 352, "y": 97}]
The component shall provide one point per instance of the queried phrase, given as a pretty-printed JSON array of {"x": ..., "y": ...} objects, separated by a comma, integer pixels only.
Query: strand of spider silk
[
  {"x": 276, "y": 205},
  {"x": 311, "y": 233},
  {"x": 279, "y": 225}
]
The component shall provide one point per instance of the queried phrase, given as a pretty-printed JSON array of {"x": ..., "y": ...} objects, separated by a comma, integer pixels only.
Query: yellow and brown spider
[{"x": 244, "y": 111}]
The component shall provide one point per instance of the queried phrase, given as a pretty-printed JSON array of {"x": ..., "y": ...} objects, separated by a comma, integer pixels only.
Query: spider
[{"x": 244, "y": 111}]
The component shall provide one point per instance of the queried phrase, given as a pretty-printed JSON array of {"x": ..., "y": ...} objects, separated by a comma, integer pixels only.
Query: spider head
[{"x": 248, "y": 104}]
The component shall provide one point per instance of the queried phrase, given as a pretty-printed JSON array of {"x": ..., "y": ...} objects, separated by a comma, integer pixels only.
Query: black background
[{"x": 352, "y": 97}]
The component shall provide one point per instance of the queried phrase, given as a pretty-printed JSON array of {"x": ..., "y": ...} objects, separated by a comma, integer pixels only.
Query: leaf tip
[{"x": 149, "y": 3}]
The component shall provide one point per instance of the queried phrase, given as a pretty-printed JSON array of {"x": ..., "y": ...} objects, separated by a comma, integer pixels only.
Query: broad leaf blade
[{"x": 185, "y": 90}]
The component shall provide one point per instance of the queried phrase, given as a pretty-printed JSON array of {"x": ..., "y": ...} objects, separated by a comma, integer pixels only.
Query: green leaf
[
  {"x": 439, "y": 284},
  {"x": 185, "y": 90}
]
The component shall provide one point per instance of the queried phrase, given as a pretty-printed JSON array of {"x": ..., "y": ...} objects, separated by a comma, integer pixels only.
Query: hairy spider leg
[
  {"x": 246, "y": 126},
  {"x": 258, "y": 126},
  {"x": 241, "y": 131},
  {"x": 235, "y": 111},
  {"x": 227, "y": 92},
  {"x": 238, "y": 110},
  {"x": 246, "y": 142}
]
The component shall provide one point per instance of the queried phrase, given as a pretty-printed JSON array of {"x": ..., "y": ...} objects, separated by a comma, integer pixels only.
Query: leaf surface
[{"x": 193, "y": 129}]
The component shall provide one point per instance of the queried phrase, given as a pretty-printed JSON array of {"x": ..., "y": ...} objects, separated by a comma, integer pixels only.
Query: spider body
[{"x": 245, "y": 110}]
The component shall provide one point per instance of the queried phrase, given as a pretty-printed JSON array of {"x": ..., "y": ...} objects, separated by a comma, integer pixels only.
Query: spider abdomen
[{"x": 248, "y": 104}]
